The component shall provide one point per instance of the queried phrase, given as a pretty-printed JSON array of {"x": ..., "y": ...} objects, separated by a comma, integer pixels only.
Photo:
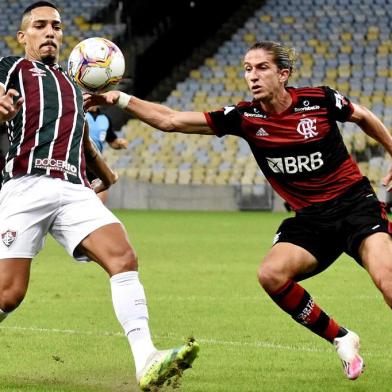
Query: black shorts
[{"x": 330, "y": 228}]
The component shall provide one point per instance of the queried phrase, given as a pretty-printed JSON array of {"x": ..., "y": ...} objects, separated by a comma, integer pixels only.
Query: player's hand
[
  {"x": 8, "y": 108},
  {"x": 98, "y": 185},
  {"x": 387, "y": 180},
  {"x": 106, "y": 99},
  {"x": 119, "y": 144}
]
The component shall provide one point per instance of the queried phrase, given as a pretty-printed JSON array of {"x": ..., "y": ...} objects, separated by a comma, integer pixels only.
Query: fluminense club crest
[{"x": 8, "y": 237}]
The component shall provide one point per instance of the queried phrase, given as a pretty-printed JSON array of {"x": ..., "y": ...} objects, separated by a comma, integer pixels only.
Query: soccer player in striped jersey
[
  {"x": 295, "y": 139},
  {"x": 45, "y": 190}
]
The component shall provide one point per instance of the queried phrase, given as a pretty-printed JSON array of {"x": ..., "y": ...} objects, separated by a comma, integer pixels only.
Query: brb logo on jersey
[
  {"x": 307, "y": 128},
  {"x": 297, "y": 164}
]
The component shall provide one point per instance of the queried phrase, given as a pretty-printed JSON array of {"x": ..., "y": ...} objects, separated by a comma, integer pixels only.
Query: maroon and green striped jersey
[{"x": 46, "y": 136}]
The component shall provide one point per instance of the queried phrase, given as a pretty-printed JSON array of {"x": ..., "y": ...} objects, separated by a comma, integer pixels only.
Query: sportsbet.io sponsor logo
[
  {"x": 297, "y": 164},
  {"x": 55, "y": 164},
  {"x": 307, "y": 108}
]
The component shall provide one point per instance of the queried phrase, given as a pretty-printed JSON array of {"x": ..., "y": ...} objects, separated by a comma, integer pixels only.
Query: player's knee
[
  {"x": 124, "y": 262},
  {"x": 10, "y": 299},
  {"x": 270, "y": 278}
]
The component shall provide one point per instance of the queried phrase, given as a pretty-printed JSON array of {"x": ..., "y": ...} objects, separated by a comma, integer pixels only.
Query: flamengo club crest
[
  {"x": 8, "y": 237},
  {"x": 307, "y": 128}
]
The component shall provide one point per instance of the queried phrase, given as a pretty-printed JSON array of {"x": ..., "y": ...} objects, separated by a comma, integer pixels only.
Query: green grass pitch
[{"x": 199, "y": 273}]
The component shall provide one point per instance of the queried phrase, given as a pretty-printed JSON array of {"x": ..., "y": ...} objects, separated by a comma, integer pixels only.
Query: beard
[{"x": 48, "y": 59}]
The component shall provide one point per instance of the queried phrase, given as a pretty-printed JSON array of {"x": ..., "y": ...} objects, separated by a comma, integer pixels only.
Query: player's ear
[
  {"x": 284, "y": 75},
  {"x": 21, "y": 37}
]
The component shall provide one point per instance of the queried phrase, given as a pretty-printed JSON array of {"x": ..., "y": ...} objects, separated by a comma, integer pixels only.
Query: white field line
[{"x": 207, "y": 341}]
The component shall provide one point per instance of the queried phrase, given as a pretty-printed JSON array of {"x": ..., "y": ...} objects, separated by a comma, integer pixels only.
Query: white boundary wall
[{"x": 131, "y": 194}]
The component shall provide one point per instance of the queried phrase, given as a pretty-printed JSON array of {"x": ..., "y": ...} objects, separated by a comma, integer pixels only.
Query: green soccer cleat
[{"x": 167, "y": 366}]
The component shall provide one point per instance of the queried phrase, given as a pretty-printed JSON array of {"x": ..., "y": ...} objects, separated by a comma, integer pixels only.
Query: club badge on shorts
[{"x": 8, "y": 237}]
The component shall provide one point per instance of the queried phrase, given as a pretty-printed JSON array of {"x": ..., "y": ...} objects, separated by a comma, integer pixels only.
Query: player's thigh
[
  {"x": 109, "y": 247},
  {"x": 285, "y": 261},
  {"x": 14, "y": 280},
  {"x": 81, "y": 214},
  {"x": 375, "y": 252}
]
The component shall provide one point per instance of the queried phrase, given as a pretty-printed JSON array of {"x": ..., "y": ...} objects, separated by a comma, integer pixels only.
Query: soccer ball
[{"x": 96, "y": 65}]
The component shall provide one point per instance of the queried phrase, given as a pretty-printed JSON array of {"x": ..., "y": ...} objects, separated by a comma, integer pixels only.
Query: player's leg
[
  {"x": 376, "y": 254},
  {"x": 25, "y": 212},
  {"x": 110, "y": 248},
  {"x": 85, "y": 225},
  {"x": 277, "y": 275},
  {"x": 14, "y": 280},
  {"x": 304, "y": 248}
]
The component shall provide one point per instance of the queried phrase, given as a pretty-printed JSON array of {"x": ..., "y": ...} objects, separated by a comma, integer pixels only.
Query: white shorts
[{"x": 31, "y": 206}]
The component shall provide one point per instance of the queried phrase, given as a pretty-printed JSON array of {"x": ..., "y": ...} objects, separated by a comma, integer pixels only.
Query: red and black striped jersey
[
  {"x": 300, "y": 151},
  {"x": 46, "y": 136}
]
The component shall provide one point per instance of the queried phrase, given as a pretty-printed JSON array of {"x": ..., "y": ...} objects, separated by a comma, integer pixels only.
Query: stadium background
[
  {"x": 198, "y": 268},
  {"x": 187, "y": 54}
]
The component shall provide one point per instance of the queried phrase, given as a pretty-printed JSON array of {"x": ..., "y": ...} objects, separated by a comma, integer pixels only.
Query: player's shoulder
[{"x": 9, "y": 61}]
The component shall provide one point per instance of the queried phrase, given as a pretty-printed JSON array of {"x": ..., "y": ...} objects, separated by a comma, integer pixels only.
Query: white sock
[
  {"x": 129, "y": 302},
  {"x": 3, "y": 315}
]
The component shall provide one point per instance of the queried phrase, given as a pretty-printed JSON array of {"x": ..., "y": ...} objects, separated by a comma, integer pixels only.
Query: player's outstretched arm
[
  {"x": 97, "y": 165},
  {"x": 8, "y": 107},
  {"x": 373, "y": 127},
  {"x": 158, "y": 116}
]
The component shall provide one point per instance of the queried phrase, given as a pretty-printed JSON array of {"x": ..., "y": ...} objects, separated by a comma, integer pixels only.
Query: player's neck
[{"x": 278, "y": 103}]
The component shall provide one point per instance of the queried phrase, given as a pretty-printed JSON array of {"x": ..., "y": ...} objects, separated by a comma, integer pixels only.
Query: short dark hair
[{"x": 38, "y": 4}]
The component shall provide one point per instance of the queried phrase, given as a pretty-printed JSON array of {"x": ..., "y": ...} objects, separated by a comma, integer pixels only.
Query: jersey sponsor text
[
  {"x": 296, "y": 164},
  {"x": 55, "y": 164}
]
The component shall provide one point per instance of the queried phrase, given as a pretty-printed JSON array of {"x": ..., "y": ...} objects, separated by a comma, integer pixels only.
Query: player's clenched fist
[{"x": 8, "y": 106}]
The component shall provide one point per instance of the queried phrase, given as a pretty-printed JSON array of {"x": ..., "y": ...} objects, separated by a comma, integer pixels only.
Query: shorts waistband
[{"x": 361, "y": 185}]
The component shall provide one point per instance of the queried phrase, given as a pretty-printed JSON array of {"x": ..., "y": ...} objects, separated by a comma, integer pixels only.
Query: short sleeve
[
  {"x": 226, "y": 121},
  {"x": 6, "y": 68},
  {"x": 339, "y": 107}
]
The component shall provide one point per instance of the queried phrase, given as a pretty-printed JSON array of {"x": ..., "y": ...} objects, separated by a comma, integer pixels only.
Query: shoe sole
[{"x": 172, "y": 368}]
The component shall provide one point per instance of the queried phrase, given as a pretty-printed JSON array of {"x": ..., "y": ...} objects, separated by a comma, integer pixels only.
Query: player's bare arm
[
  {"x": 97, "y": 165},
  {"x": 8, "y": 107},
  {"x": 157, "y": 115},
  {"x": 373, "y": 127}
]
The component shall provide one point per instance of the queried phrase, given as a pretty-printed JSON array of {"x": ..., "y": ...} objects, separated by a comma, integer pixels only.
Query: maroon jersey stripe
[{"x": 30, "y": 86}]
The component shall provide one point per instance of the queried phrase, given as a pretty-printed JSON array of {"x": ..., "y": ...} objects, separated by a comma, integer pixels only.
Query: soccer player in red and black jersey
[
  {"x": 295, "y": 140},
  {"x": 45, "y": 190}
]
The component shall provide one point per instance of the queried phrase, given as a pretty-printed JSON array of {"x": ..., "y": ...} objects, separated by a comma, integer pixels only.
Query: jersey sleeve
[
  {"x": 6, "y": 68},
  {"x": 339, "y": 107},
  {"x": 226, "y": 121}
]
